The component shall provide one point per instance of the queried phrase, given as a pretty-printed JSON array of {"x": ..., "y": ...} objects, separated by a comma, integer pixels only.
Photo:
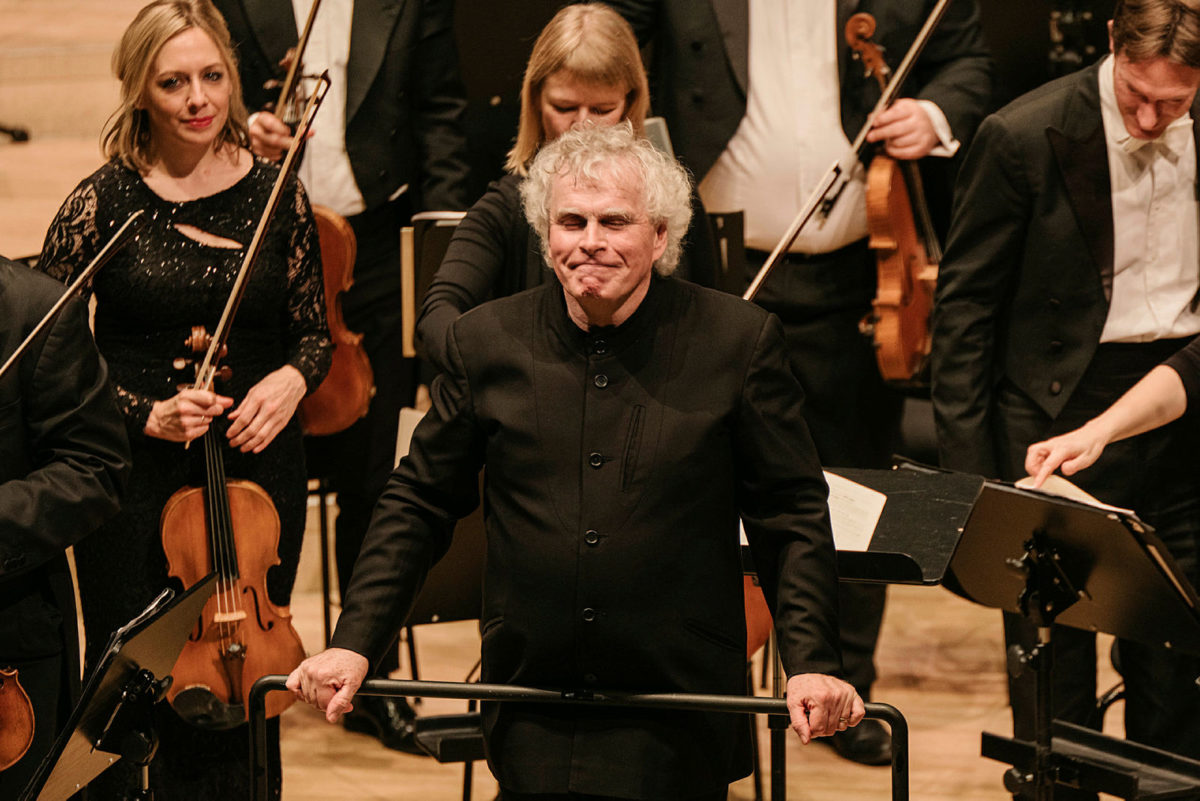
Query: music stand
[
  {"x": 1054, "y": 560},
  {"x": 913, "y": 543},
  {"x": 113, "y": 717}
]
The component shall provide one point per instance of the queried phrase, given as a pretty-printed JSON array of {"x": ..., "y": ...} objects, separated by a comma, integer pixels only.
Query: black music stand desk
[
  {"x": 1054, "y": 560},
  {"x": 111, "y": 719}
]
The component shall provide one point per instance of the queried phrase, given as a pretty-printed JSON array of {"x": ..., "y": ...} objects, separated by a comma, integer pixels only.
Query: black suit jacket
[
  {"x": 1025, "y": 284},
  {"x": 404, "y": 98},
  {"x": 700, "y": 67},
  {"x": 64, "y": 459},
  {"x": 618, "y": 463}
]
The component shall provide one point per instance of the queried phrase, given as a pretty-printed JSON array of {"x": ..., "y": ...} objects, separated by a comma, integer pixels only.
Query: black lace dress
[{"x": 147, "y": 300}]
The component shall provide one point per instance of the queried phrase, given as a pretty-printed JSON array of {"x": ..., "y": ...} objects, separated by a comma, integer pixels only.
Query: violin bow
[
  {"x": 118, "y": 241},
  {"x": 207, "y": 371},
  {"x": 829, "y": 187},
  {"x": 294, "y": 73}
]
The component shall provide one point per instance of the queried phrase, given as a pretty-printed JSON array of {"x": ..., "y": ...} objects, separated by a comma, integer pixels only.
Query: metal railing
[{"x": 505, "y": 692}]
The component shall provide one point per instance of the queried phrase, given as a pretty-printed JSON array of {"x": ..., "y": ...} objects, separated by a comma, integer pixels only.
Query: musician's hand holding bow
[
  {"x": 270, "y": 137},
  {"x": 329, "y": 681},
  {"x": 905, "y": 129},
  {"x": 266, "y": 409},
  {"x": 185, "y": 416},
  {"x": 822, "y": 705}
]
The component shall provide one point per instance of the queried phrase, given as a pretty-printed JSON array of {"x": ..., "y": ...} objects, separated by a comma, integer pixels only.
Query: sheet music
[{"x": 854, "y": 512}]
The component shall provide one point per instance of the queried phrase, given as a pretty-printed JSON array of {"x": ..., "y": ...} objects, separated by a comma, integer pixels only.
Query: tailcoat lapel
[
  {"x": 733, "y": 20},
  {"x": 273, "y": 25},
  {"x": 1079, "y": 149},
  {"x": 370, "y": 30}
]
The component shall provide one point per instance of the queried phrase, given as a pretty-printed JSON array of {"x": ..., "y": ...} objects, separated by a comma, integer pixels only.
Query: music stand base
[{"x": 1093, "y": 762}]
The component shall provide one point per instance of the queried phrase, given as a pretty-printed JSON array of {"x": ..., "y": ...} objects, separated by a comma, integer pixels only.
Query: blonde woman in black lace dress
[{"x": 176, "y": 149}]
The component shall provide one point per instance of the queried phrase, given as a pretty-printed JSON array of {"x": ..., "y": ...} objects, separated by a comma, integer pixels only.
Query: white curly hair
[{"x": 590, "y": 153}]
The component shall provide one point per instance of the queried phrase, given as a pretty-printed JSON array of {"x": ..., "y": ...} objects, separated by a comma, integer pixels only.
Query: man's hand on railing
[
  {"x": 821, "y": 705},
  {"x": 329, "y": 681}
]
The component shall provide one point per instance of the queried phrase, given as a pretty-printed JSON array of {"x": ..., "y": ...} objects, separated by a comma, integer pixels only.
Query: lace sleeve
[
  {"x": 309, "y": 348},
  {"x": 73, "y": 239}
]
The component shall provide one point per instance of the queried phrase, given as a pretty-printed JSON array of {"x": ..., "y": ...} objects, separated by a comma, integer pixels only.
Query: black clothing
[
  {"x": 404, "y": 98},
  {"x": 1023, "y": 295},
  {"x": 699, "y": 82},
  {"x": 64, "y": 460},
  {"x": 494, "y": 253},
  {"x": 147, "y": 299},
  {"x": 618, "y": 464}
]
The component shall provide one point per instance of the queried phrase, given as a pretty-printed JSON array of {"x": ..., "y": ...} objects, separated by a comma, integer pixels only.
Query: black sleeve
[
  {"x": 439, "y": 104},
  {"x": 476, "y": 268},
  {"x": 975, "y": 279},
  {"x": 782, "y": 499},
  {"x": 1187, "y": 364},
  {"x": 68, "y": 428},
  {"x": 433, "y": 487}
]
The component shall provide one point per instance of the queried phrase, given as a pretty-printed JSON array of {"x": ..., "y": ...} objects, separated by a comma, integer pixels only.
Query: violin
[
  {"x": 16, "y": 719},
  {"x": 289, "y": 106},
  {"x": 901, "y": 232},
  {"x": 830, "y": 185},
  {"x": 344, "y": 395},
  {"x": 231, "y": 528}
]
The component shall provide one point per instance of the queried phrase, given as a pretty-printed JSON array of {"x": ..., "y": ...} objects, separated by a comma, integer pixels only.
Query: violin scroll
[{"x": 859, "y": 30}]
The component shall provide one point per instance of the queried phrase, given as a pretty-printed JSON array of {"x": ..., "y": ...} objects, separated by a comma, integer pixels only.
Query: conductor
[{"x": 627, "y": 420}]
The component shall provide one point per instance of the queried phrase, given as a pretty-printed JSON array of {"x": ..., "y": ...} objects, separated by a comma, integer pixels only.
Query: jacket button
[
  {"x": 1054, "y": 303},
  {"x": 595, "y": 459},
  {"x": 589, "y": 615},
  {"x": 591, "y": 536},
  {"x": 600, "y": 347},
  {"x": 697, "y": 45},
  {"x": 601, "y": 381},
  {"x": 1056, "y": 346},
  {"x": 697, "y": 96},
  {"x": 1055, "y": 387}
]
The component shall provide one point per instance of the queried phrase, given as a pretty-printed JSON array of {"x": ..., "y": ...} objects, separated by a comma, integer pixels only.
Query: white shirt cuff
[{"x": 948, "y": 144}]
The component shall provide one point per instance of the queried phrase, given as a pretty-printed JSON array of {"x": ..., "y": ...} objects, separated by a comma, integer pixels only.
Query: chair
[{"x": 422, "y": 246}]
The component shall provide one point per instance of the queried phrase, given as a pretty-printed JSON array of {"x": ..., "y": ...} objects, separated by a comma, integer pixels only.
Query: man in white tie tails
[{"x": 1071, "y": 269}]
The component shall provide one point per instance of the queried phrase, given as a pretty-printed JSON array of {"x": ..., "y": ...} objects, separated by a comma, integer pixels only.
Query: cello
[
  {"x": 906, "y": 246},
  {"x": 345, "y": 393},
  {"x": 230, "y": 527}
]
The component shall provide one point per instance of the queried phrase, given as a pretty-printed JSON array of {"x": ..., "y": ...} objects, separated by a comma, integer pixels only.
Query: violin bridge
[{"x": 229, "y": 617}]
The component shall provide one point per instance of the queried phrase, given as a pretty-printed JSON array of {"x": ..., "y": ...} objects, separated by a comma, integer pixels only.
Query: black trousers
[
  {"x": 1155, "y": 475},
  {"x": 853, "y": 415}
]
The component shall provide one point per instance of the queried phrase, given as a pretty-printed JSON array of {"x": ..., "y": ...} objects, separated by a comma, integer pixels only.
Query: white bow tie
[{"x": 1173, "y": 140}]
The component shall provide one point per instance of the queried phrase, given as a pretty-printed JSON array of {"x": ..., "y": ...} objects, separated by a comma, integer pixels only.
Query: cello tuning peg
[
  {"x": 179, "y": 363},
  {"x": 224, "y": 373}
]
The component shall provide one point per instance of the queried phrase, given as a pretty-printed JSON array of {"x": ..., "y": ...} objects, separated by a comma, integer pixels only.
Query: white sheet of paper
[{"x": 854, "y": 511}]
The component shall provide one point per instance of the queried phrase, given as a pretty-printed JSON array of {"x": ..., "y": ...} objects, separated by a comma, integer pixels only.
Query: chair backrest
[
  {"x": 422, "y": 246},
  {"x": 727, "y": 233}
]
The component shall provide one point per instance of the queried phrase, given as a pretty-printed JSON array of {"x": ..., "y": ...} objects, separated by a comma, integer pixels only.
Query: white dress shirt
[
  {"x": 325, "y": 170},
  {"x": 792, "y": 132},
  {"x": 1156, "y": 260}
]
